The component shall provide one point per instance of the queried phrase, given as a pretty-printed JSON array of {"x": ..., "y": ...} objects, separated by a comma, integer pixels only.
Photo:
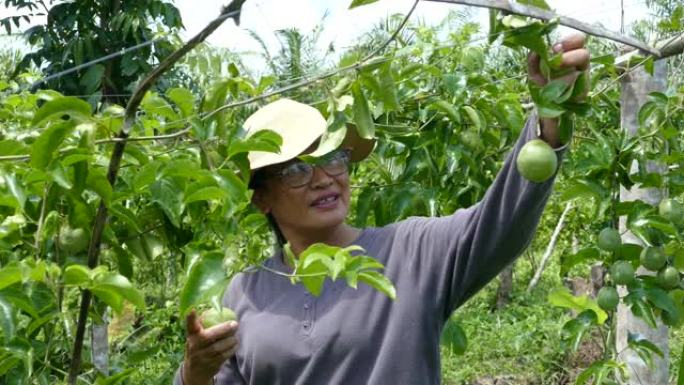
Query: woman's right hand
[{"x": 206, "y": 349}]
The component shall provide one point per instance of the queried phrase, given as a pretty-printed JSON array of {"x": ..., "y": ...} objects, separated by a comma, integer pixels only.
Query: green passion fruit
[
  {"x": 671, "y": 210},
  {"x": 609, "y": 239},
  {"x": 73, "y": 241},
  {"x": 213, "y": 317},
  {"x": 653, "y": 258},
  {"x": 668, "y": 278},
  {"x": 608, "y": 298},
  {"x": 537, "y": 162},
  {"x": 622, "y": 273}
]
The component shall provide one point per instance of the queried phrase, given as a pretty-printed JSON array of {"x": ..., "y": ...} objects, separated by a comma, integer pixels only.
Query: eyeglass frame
[{"x": 318, "y": 162}]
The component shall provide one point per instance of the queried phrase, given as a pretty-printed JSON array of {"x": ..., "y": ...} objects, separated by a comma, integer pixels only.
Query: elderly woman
[{"x": 360, "y": 336}]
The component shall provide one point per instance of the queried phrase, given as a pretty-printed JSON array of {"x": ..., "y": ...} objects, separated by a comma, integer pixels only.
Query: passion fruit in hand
[
  {"x": 622, "y": 273},
  {"x": 608, "y": 298},
  {"x": 537, "y": 162},
  {"x": 653, "y": 258},
  {"x": 213, "y": 317},
  {"x": 609, "y": 239}
]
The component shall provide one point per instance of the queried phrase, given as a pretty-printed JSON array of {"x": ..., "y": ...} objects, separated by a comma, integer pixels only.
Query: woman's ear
[{"x": 258, "y": 200}]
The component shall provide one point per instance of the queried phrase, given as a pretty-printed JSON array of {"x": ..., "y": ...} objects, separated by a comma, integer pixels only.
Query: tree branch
[
  {"x": 113, "y": 140},
  {"x": 129, "y": 120},
  {"x": 538, "y": 13}
]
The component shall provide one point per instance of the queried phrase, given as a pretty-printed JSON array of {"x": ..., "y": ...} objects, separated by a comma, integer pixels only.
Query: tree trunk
[
  {"x": 503, "y": 294},
  {"x": 635, "y": 88},
  {"x": 549, "y": 248},
  {"x": 100, "y": 340}
]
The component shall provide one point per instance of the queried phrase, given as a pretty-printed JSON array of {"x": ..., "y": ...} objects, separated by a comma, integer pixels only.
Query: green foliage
[
  {"x": 444, "y": 110},
  {"x": 82, "y": 31}
]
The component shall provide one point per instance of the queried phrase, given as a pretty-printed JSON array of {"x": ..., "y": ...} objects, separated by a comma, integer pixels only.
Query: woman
[{"x": 348, "y": 336}]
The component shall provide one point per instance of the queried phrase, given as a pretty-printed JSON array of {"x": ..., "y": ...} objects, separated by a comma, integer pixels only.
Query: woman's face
[{"x": 320, "y": 204}]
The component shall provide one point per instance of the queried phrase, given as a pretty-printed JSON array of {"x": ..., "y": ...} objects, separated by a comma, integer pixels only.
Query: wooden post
[{"x": 635, "y": 88}]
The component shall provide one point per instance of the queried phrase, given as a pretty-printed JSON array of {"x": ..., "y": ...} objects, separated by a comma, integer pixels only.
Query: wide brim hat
[{"x": 300, "y": 126}]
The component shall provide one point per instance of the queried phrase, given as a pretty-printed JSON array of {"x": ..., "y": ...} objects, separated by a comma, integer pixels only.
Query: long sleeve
[{"x": 458, "y": 254}]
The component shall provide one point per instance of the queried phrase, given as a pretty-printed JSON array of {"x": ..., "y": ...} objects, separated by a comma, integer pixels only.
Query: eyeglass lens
[{"x": 300, "y": 173}]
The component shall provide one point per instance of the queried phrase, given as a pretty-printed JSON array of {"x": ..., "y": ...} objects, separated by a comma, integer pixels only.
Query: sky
[{"x": 343, "y": 26}]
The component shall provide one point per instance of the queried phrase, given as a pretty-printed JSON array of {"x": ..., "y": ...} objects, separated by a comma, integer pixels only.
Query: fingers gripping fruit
[
  {"x": 608, "y": 298},
  {"x": 622, "y": 273},
  {"x": 609, "y": 239},
  {"x": 537, "y": 162},
  {"x": 653, "y": 258},
  {"x": 213, "y": 317}
]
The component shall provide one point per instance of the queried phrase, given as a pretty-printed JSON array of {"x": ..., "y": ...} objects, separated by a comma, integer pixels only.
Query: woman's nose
[{"x": 320, "y": 178}]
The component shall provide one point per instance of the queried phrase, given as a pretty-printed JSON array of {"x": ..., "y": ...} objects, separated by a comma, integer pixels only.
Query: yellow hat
[{"x": 299, "y": 125}]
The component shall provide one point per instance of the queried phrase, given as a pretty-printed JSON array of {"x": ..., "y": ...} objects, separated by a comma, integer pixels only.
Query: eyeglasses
[{"x": 300, "y": 173}]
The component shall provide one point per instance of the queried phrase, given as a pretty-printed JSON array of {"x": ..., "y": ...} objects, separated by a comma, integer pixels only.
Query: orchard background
[{"x": 123, "y": 198}]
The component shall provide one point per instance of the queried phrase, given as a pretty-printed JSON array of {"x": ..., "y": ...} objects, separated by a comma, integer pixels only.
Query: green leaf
[
  {"x": 92, "y": 79},
  {"x": 119, "y": 285},
  {"x": 10, "y": 274},
  {"x": 563, "y": 298},
  {"x": 680, "y": 376},
  {"x": 206, "y": 194},
  {"x": 660, "y": 299},
  {"x": 48, "y": 142},
  {"x": 77, "y": 275},
  {"x": 358, "y": 3},
  {"x": 155, "y": 105},
  {"x": 169, "y": 196},
  {"x": 583, "y": 255},
  {"x": 7, "y": 320},
  {"x": 641, "y": 308},
  {"x": 362, "y": 115},
  {"x": 454, "y": 338},
  {"x": 116, "y": 378},
  {"x": 207, "y": 278},
  {"x": 333, "y": 137},
  {"x": 576, "y": 328},
  {"x": 16, "y": 189},
  {"x": 388, "y": 88},
  {"x": 125, "y": 215},
  {"x": 264, "y": 140},
  {"x": 473, "y": 116},
  {"x": 448, "y": 109},
  {"x": 379, "y": 282},
  {"x": 536, "y": 3},
  {"x": 184, "y": 100},
  {"x": 313, "y": 284},
  {"x": 57, "y": 108},
  {"x": 97, "y": 181}
]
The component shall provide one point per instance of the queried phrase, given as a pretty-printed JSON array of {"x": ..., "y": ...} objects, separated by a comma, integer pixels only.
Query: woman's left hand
[{"x": 576, "y": 59}]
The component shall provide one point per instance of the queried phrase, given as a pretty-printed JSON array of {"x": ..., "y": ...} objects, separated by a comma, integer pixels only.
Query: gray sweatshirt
[{"x": 354, "y": 337}]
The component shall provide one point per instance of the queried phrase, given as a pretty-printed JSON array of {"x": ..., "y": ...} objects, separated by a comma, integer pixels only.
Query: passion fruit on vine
[
  {"x": 608, "y": 298},
  {"x": 653, "y": 258},
  {"x": 622, "y": 273},
  {"x": 609, "y": 239},
  {"x": 672, "y": 210},
  {"x": 73, "y": 241},
  {"x": 213, "y": 316},
  {"x": 668, "y": 278},
  {"x": 537, "y": 162}
]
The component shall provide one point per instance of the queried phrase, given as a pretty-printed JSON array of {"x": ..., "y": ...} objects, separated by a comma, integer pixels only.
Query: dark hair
[{"x": 258, "y": 181}]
